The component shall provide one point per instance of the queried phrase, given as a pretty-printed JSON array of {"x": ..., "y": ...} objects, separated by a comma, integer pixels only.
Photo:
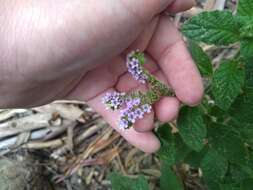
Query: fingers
[
  {"x": 167, "y": 108},
  {"x": 169, "y": 50},
  {"x": 146, "y": 141},
  {"x": 143, "y": 40},
  {"x": 180, "y": 5},
  {"x": 126, "y": 82}
]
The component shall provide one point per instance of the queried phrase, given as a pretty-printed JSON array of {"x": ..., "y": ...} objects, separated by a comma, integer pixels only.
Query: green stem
[{"x": 157, "y": 89}]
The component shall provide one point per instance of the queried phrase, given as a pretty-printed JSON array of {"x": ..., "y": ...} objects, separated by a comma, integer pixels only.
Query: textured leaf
[
  {"x": 241, "y": 110},
  {"x": 247, "y": 134},
  {"x": 227, "y": 143},
  {"x": 247, "y": 184},
  {"x": 246, "y": 31},
  {"x": 249, "y": 72},
  {"x": 217, "y": 27},
  {"x": 214, "y": 167},
  {"x": 245, "y": 8},
  {"x": 227, "y": 82},
  {"x": 169, "y": 180},
  {"x": 247, "y": 48},
  {"x": 194, "y": 158},
  {"x": 172, "y": 150},
  {"x": 229, "y": 187},
  {"x": 236, "y": 174},
  {"x": 201, "y": 59},
  {"x": 191, "y": 127},
  {"x": 124, "y": 183}
]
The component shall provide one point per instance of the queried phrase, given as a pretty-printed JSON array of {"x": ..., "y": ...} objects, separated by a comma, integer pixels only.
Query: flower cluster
[
  {"x": 134, "y": 106},
  {"x": 133, "y": 111},
  {"x": 135, "y": 68},
  {"x": 114, "y": 100}
]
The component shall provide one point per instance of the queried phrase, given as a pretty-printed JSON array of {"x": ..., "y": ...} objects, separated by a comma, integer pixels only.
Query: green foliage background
[{"x": 216, "y": 136}]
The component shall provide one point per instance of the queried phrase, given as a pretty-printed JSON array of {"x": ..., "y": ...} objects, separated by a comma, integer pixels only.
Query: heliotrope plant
[{"x": 134, "y": 105}]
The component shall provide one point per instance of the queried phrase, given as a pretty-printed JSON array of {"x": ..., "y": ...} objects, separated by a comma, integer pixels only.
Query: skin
[{"x": 74, "y": 49}]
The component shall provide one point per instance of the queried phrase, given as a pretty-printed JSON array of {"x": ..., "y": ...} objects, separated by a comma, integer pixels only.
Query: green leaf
[
  {"x": 249, "y": 72},
  {"x": 247, "y": 48},
  {"x": 201, "y": 59},
  {"x": 169, "y": 180},
  {"x": 214, "y": 167},
  {"x": 246, "y": 133},
  {"x": 227, "y": 82},
  {"x": 247, "y": 184},
  {"x": 227, "y": 142},
  {"x": 194, "y": 158},
  {"x": 236, "y": 174},
  {"x": 191, "y": 127},
  {"x": 124, "y": 183},
  {"x": 173, "y": 150},
  {"x": 246, "y": 31},
  {"x": 229, "y": 187},
  {"x": 245, "y": 8},
  {"x": 216, "y": 27},
  {"x": 241, "y": 110}
]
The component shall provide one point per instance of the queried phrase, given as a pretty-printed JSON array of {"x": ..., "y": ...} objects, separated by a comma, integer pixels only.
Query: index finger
[{"x": 168, "y": 49}]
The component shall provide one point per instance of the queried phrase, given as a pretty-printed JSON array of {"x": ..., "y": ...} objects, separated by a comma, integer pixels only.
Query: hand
[{"x": 76, "y": 50}]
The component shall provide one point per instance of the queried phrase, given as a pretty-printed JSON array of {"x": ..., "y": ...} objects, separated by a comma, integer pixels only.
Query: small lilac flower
[
  {"x": 134, "y": 110},
  {"x": 138, "y": 113},
  {"x": 146, "y": 108},
  {"x": 114, "y": 100},
  {"x": 135, "y": 68},
  {"x": 131, "y": 117},
  {"x": 123, "y": 124},
  {"x": 130, "y": 103}
]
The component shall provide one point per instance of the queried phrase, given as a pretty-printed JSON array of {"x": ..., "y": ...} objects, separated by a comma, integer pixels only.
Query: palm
[{"x": 168, "y": 59}]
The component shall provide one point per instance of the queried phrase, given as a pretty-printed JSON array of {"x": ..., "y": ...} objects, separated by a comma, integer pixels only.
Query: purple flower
[
  {"x": 130, "y": 103},
  {"x": 138, "y": 113},
  {"x": 134, "y": 110},
  {"x": 131, "y": 117},
  {"x": 123, "y": 124},
  {"x": 114, "y": 100},
  {"x": 146, "y": 108},
  {"x": 135, "y": 68}
]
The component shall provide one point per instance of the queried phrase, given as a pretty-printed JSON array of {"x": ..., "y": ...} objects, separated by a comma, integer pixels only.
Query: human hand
[{"x": 76, "y": 50}]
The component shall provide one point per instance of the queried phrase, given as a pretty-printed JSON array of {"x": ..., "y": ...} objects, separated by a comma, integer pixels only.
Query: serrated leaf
[
  {"x": 227, "y": 82},
  {"x": 169, "y": 180},
  {"x": 245, "y": 8},
  {"x": 191, "y": 127},
  {"x": 216, "y": 27},
  {"x": 246, "y": 48},
  {"x": 246, "y": 31},
  {"x": 241, "y": 110},
  {"x": 172, "y": 150},
  {"x": 214, "y": 167},
  {"x": 201, "y": 59},
  {"x": 227, "y": 142},
  {"x": 124, "y": 183}
]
